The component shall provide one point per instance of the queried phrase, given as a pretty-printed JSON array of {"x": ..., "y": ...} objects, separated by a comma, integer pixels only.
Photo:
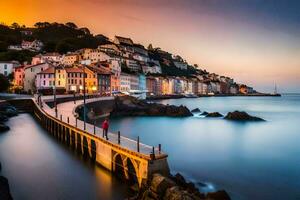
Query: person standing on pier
[{"x": 105, "y": 126}]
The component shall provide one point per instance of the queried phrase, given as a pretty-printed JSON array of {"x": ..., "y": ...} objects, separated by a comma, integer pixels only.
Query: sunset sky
[{"x": 255, "y": 41}]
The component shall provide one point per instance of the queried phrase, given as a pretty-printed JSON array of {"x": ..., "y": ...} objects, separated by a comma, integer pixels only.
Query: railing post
[
  {"x": 159, "y": 148},
  {"x": 152, "y": 155},
  {"x": 138, "y": 144},
  {"x": 68, "y": 120},
  {"x": 153, "y": 152},
  {"x": 95, "y": 127},
  {"x": 119, "y": 137}
]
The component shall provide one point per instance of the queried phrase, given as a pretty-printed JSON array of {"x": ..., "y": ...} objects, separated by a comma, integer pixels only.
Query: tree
[
  {"x": 150, "y": 47},
  {"x": 86, "y": 31},
  {"x": 71, "y": 25},
  {"x": 15, "y": 25},
  {"x": 4, "y": 83},
  {"x": 42, "y": 24}
]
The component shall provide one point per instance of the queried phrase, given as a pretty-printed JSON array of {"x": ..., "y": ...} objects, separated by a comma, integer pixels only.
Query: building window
[
  {"x": 5, "y": 66},
  {"x": 44, "y": 82},
  {"x": 58, "y": 82}
]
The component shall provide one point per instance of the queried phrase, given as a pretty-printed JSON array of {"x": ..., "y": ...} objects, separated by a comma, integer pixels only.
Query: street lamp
[
  {"x": 54, "y": 91},
  {"x": 84, "y": 108}
]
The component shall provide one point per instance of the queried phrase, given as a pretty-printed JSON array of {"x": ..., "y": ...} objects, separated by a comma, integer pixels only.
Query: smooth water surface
[
  {"x": 39, "y": 167},
  {"x": 253, "y": 160}
]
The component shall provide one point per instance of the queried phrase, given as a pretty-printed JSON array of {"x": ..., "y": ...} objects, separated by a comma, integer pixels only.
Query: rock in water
[
  {"x": 3, "y": 118},
  {"x": 4, "y": 189},
  {"x": 219, "y": 195},
  {"x": 8, "y": 110},
  {"x": 3, "y": 128},
  {"x": 180, "y": 180},
  {"x": 160, "y": 184},
  {"x": 130, "y": 106},
  {"x": 214, "y": 114},
  {"x": 204, "y": 113},
  {"x": 175, "y": 193},
  {"x": 196, "y": 110},
  {"x": 241, "y": 116}
]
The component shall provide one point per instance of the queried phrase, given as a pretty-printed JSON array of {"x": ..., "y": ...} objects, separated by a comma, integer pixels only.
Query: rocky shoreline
[
  {"x": 175, "y": 188},
  {"x": 6, "y": 111},
  {"x": 179, "y": 96}
]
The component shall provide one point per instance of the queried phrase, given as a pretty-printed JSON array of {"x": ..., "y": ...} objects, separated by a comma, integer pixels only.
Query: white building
[
  {"x": 70, "y": 59},
  {"x": 6, "y": 68},
  {"x": 30, "y": 73},
  {"x": 133, "y": 65},
  {"x": 152, "y": 67},
  {"x": 180, "y": 65},
  {"x": 110, "y": 48},
  {"x": 124, "y": 82},
  {"x": 35, "y": 45},
  {"x": 48, "y": 57},
  {"x": 45, "y": 79}
]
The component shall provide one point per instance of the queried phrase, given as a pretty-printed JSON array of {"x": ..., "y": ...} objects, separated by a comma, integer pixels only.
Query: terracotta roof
[
  {"x": 74, "y": 70},
  {"x": 12, "y": 62},
  {"x": 100, "y": 70},
  {"x": 37, "y": 65},
  {"x": 124, "y": 40},
  {"x": 50, "y": 70}
]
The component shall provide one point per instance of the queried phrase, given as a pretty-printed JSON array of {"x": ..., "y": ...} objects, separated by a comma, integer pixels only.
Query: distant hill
[{"x": 56, "y": 37}]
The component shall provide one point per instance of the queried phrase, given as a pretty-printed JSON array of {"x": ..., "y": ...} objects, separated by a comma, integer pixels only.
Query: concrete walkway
[{"x": 66, "y": 114}]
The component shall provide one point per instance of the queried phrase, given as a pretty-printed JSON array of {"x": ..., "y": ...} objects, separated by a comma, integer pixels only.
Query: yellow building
[{"x": 75, "y": 79}]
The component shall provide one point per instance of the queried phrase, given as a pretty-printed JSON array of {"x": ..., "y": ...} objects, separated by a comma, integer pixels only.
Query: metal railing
[{"x": 115, "y": 138}]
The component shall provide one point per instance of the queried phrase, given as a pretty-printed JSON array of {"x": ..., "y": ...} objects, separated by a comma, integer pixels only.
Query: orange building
[
  {"x": 75, "y": 79},
  {"x": 19, "y": 77}
]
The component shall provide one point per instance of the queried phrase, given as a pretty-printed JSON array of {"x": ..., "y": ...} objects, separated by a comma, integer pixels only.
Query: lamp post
[
  {"x": 54, "y": 91},
  {"x": 84, "y": 108}
]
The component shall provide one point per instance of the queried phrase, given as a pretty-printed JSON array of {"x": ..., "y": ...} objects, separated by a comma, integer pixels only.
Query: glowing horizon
[{"x": 253, "y": 42}]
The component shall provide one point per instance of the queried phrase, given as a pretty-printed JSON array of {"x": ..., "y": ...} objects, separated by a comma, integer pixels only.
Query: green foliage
[
  {"x": 56, "y": 37},
  {"x": 4, "y": 83},
  {"x": 8, "y": 37},
  {"x": 66, "y": 37},
  {"x": 20, "y": 56}
]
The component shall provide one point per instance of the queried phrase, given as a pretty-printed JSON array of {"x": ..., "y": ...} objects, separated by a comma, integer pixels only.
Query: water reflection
[
  {"x": 40, "y": 167},
  {"x": 250, "y": 160}
]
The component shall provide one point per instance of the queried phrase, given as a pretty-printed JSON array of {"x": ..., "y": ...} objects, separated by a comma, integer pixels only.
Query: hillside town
[{"x": 120, "y": 66}]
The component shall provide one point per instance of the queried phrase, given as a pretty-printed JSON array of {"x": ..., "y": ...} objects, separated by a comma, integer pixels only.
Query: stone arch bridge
[{"x": 125, "y": 157}]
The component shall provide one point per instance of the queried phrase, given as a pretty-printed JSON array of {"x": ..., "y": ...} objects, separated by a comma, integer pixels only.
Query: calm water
[
  {"x": 250, "y": 160},
  {"x": 39, "y": 167}
]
